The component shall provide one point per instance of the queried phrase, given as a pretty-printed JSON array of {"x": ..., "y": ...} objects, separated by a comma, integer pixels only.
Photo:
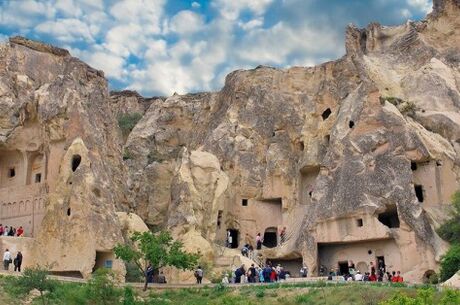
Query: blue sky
[{"x": 159, "y": 47}]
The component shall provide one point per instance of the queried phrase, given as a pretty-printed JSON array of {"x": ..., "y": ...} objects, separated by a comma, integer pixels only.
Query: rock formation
[{"x": 357, "y": 157}]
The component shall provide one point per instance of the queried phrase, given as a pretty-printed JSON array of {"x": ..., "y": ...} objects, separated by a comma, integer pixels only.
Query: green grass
[{"x": 304, "y": 293}]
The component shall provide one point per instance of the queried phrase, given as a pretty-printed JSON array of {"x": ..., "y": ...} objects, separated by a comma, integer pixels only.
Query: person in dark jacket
[
  {"x": 18, "y": 262},
  {"x": 239, "y": 273}
]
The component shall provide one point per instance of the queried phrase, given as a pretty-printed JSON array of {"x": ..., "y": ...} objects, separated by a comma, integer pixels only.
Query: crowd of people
[
  {"x": 11, "y": 231},
  {"x": 267, "y": 274},
  {"x": 8, "y": 259},
  {"x": 379, "y": 274}
]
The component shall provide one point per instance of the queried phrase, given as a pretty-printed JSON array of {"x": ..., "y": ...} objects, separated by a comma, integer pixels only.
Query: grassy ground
[{"x": 317, "y": 293}]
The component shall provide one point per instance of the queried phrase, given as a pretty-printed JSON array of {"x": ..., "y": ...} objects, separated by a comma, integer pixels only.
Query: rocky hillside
[{"x": 372, "y": 138}]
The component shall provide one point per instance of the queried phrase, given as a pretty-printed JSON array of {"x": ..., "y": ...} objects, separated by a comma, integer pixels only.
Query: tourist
[
  {"x": 20, "y": 231},
  {"x": 304, "y": 271},
  {"x": 283, "y": 235},
  {"x": 239, "y": 273},
  {"x": 261, "y": 275},
  {"x": 366, "y": 277},
  {"x": 381, "y": 265},
  {"x": 373, "y": 277},
  {"x": 225, "y": 279},
  {"x": 161, "y": 278},
  {"x": 199, "y": 274},
  {"x": 372, "y": 267},
  {"x": 273, "y": 275},
  {"x": 2, "y": 230},
  {"x": 18, "y": 262},
  {"x": 245, "y": 250},
  {"x": 258, "y": 242},
  {"x": 6, "y": 231},
  {"x": 387, "y": 277},
  {"x": 149, "y": 273},
  {"x": 11, "y": 232},
  {"x": 6, "y": 259},
  {"x": 329, "y": 277},
  {"x": 282, "y": 274},
  {"x": 358, "y": 276},
  {"x": 267, "y": 271},
  {"x": 322, "y": 270},
  {"x": 252, "y": 274},
  {"x": 394, "y": 279},
  {"x": 400, "y": 278},
  {"x": 229, "y": 239}
]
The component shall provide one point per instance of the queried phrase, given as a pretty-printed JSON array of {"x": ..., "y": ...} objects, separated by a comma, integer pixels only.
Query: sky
[{"x": 158, "y": 47}]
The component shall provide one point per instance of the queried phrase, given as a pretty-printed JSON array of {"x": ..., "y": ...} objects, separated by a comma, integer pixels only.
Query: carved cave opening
[
  {"x": 390, "y": 217},
  {"x": 291, "y": 266},
  {"x": 308, "y": 177},
  {"x": 419, "y": 192},
  {"x": 76, "y": 160},
  {"x": 270, "y": 237},
  {"x": 326, "y": 113}
]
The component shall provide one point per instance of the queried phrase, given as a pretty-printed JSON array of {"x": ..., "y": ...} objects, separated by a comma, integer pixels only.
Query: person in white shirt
[
  {"x": 358, "y": 276},
  {"x": 6, "y": 259}
]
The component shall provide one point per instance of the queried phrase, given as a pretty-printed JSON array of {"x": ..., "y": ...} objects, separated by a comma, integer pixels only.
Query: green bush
[
  {"x": 450, "y": 297},
  {"x": 32, "y": 278},
  {"x": 304, "y": 299},
  {"x": 450, "y": 262},
  {"x": 133, "y": 274},
  {"x": 101, "y": 289},
  {"x": 450, "y": 230},
  {"x": 127, "y": 121}
]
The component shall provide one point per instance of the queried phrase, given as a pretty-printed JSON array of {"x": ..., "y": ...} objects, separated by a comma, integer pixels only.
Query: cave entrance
[
  {"x": 103, "y": 260},
  {"x": 270, "y": 237},
  {"x": 419, "y": 192},
  {"x": 76, "y": 160},
  {"x": 390, "y": 217},
  {"x": 232, "y": 238},
  {"x": 343, "y": 267}
]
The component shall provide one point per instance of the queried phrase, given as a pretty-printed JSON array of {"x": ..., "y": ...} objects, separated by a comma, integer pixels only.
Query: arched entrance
[
  {"x": 270, "y": 237},
  {"x": 232, "y": 238}
]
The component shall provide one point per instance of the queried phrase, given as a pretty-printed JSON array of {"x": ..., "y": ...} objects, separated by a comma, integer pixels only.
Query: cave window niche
[
  {"x": 326, "y": 113},
  {"x": 12, "y": 172},
  {"x": 76, "y": 160},
  {"x": 390, "y": 217},
  {"x": 327, "y": 138},
  {"x": 68, "y": 212},
  {"x": 359, "y": 222},
  {"x": 38, "y": 178},
  {"x": 301, "y": 146},
  {"x": 351, "y": 124},
  {"x": 219, "y": 218},
  {"x": 413, "y": 166},
  {"x": 438, "y": 163},
  {"x": 244, "y": 202},
  {"x": 419, "y": 192}
]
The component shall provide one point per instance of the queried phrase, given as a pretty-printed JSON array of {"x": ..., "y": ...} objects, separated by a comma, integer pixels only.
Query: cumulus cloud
[{"x": 156, "y": 48}]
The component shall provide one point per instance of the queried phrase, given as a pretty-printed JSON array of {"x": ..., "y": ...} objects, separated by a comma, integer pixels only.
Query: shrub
[
  {"x": 450, "y": 297},
  {"x": 450, "y": 262},
  {"x": 33, "y": 278},
  {"x": 101, "y": 288},
  {"x": 127, "y": 154},
  {"x": 260, "y": 293},
  {"x": 127, "y": 121},
  {"x": 133, "y": 274},
  {"x": 450, "y": 230}
]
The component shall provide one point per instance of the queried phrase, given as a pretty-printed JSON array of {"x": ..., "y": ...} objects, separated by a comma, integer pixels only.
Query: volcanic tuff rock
[
  {"x": 357, "y": 157},
  {"x": 346, "y": 131}
]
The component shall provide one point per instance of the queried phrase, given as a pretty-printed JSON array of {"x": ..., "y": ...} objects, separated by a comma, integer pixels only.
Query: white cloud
[
  {"x": 66, "y": 30},
  {"x": 251, "y": 24},
  {"x": 112, "y": 65},
  {"x": 186, "y": 22},
  {"x": 147, "y": 13},
  {"x": 196, "y": 4},
  {"x": 421, "y": 5},
  {"x": 232, "y": 9}
]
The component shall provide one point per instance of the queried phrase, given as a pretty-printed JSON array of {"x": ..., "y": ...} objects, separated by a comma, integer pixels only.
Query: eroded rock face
[
  {"x": 365, "y": 149},
  {"x": 62, "y": 145}
]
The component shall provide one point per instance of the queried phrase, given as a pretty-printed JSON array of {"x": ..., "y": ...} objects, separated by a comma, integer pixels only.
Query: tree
[
  {"x": 35, "y": 278},
  {"x": 160, "y": 250},
  {"x": 450, "y": 231}
]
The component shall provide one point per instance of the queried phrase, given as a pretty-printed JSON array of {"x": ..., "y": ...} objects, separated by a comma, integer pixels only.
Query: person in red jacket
[
  {"x": 20, "y": 231},
  {"x": 400, "y": 278},
  {"x": 394, "y": 277},
  {"x": 372, "y": 277}
]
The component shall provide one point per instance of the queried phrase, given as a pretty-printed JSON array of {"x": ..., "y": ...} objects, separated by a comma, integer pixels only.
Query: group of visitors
[
  {"x": 373, "y": 275},
  {"x": 11, "y": 231},
  {"x": 8, "y": 259},
  {"x": 268, "y": 274},
  {"x": 150, "y": 274}
]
